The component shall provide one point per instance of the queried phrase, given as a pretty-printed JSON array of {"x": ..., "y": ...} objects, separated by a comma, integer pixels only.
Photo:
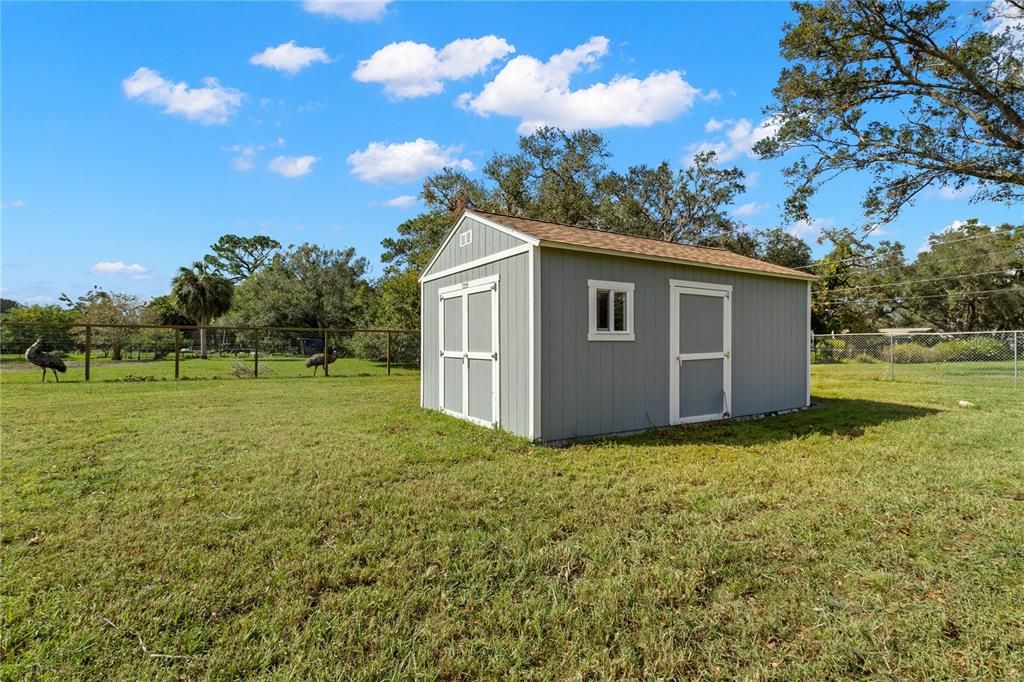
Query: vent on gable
[{"x": 466, "y": 238}]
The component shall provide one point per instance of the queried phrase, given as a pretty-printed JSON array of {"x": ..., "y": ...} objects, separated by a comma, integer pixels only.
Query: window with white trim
[
  {"x": 611, "y": 310},
  {"x": 466, "y": 238}
]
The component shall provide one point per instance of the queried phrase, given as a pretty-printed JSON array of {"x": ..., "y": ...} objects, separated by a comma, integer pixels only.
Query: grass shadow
[{"x": 836, "y": 418}]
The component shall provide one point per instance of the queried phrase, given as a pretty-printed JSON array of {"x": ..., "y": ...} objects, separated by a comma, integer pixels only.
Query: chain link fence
[
  {"x": 97, "y": 352},
  {"x": 980, "y": 358}
]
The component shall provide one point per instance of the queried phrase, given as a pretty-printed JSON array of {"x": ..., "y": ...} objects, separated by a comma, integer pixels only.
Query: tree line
[{"x": 914, "y": 95}]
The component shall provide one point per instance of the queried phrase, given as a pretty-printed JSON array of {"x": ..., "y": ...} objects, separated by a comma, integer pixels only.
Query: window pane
[
  {"x": 602, "y": 310},
  {"x": 620, "y": 311}
]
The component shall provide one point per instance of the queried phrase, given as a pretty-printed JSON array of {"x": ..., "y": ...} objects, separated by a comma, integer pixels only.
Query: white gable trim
[
  {"x": 500, "y": 255},
  {"x": 455, "y": 230}
]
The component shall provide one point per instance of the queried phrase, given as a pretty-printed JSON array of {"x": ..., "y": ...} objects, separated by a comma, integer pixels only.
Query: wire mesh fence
[
  {"x": 98, "y": 352},
  {"x": 982, "y": 358}
]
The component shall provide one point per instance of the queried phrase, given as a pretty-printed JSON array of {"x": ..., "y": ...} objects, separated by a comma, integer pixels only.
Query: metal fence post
[
  {"x": 88, "y": 351},
  {"x": 1016, "y": 371},
  {"x": 177, "y": 354},
  {"x": 891, "y": 358},
  {"x": 325, "y": 353},
  {"x": 387, "y": 353},
  {"x": 256, "y": 356}
]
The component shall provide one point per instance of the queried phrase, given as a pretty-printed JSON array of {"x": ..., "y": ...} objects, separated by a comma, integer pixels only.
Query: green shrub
[
  {"x": 977, "y": 348},
  {"x": 907, "y": 353},
  {"x": 830, "y": 350},
  {"x": 865, "y": 358}
]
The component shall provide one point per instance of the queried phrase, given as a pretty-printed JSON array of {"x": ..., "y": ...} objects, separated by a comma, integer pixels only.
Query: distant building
[{"x": 897, "y": 331}]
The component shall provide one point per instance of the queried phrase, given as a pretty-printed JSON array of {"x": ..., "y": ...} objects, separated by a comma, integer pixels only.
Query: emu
[
  {"x": 41, "y": 358},
  {"x": 317, "y": 360}
]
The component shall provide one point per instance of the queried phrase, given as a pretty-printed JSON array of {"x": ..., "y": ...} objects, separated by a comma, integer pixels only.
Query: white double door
[
  {"x": 468, "y": 374},
  {"x": 700, "y": 351}
]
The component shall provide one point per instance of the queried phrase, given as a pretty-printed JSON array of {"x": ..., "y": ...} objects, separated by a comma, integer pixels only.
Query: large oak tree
[{"x": 916, "y": 94}]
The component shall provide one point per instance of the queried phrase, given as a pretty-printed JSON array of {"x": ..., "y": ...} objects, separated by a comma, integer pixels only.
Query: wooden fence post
[
  {"x": 88, "y": 351},
  {"x": 387, "y": 353},
  {"x": 256, "y": 356},
  {"x": 325, "y": 353},
  {"x": 177, "y": 354}
]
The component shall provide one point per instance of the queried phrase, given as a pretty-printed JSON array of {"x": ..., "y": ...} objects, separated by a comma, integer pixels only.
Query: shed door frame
[
  {"x": 676, "y": 359},
  {"x": 463, "y": 291}
]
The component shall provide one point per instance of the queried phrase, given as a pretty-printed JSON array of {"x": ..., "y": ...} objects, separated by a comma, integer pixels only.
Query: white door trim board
[
  {"x": 724, "y": 291},
  {"x": 463, "y": 291}
]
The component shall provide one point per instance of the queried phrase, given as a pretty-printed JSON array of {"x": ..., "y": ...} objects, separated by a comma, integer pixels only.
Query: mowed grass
[{"x": 329, "y": 529}]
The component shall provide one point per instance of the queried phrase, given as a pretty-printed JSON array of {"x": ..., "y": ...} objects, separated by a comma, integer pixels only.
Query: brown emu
[
  {"x": 41, "y": 358},
  {"x": 317, "y": 360}
]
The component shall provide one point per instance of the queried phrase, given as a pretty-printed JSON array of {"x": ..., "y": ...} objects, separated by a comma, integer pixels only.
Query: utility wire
[
  {"x": 915, "y": 281},
  {"x": 877, "y": 255},
  {"x": 987, "y": 254},
  {"x": 900, "y": 299}
]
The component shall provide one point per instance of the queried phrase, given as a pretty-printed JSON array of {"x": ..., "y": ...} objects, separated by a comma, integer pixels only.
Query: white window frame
[
  {"x": 593, "y": 333},
  {"x": 465, "y": 238}
]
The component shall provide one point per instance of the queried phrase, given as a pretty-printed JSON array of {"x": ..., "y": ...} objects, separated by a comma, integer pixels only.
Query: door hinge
[{"x": 726, "y": 354}]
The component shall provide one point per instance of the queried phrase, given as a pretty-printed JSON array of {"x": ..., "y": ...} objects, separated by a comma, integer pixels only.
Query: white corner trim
[
  {"x": 534, "y": 427},
  {"x": 483, "y": 260},
  {"x": 593, "y": 333},
  {"x": 810, "y": 342}
]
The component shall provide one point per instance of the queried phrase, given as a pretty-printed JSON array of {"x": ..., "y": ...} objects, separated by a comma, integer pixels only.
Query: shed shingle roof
[{"x": 586, "y": 238}]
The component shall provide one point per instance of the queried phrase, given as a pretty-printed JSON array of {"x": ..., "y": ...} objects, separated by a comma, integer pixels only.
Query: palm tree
[{"x": 201, "y": 295}]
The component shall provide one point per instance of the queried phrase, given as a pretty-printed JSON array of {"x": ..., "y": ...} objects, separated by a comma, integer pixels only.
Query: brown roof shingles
[{"x": 589, "y": 238}]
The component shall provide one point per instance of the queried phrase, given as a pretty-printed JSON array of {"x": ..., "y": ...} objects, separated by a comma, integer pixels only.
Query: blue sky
[{"x": 133, "y": 135}]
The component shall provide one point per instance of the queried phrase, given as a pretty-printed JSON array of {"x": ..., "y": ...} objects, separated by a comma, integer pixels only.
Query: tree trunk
[{"x": 202, "y": 338}]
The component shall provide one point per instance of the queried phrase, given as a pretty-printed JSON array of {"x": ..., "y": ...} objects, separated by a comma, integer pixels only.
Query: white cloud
[
  {"x": 1005, "y": 17},
  {"x": 952, "y": 227},
  {"x": 807, "y": 229},
  {"x": 289, "y": 57},
  {"x": 409, "y": 69},
  {"x": 210, "y": 104},
  {"x": 349, "y": 10},
  {"x": 292, "y": 166},
  {"x": 539, "y": 93},
  {"x": 400, "y": 201},
  {"x": 17, "y": 203},
  {"x": 246, "y": 154},
  {"x": 739, "y": 140},
  {"x": 750, "y": 209},
  {"x": 714, "y": 125},
  {"x": 134, "y": 271},
  {"x": 953, "y": 193},
  {"x": 404, "y": 161}
]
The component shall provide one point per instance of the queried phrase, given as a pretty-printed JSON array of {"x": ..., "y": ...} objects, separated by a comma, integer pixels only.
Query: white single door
[
  {"x": 468, "y": 375},
  {"x": 700, "y": 353}
]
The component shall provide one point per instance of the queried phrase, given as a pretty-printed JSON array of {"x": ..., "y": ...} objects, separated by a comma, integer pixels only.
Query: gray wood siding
[
  {"x": 486, "y": 241},
  {"x": 602, "y": 387},
  {"x": 513, "y": 338}
]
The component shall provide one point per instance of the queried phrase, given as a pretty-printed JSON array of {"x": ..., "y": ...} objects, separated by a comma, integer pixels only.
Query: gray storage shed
[{"x": 555, "y": 332}]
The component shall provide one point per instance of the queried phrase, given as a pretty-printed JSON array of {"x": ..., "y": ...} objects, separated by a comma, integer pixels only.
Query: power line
[
  {"x": 900, "y": 299},
  {"x": 877, "y": 255},
  {"x": 916, "y": 281},
  {"x": 987, "y": 254}
]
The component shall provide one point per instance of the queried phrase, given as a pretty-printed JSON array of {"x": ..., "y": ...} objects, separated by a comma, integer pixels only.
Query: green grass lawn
[
  {"x": 329, "y": 529},
  {"x": 14, "y": 369}
]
